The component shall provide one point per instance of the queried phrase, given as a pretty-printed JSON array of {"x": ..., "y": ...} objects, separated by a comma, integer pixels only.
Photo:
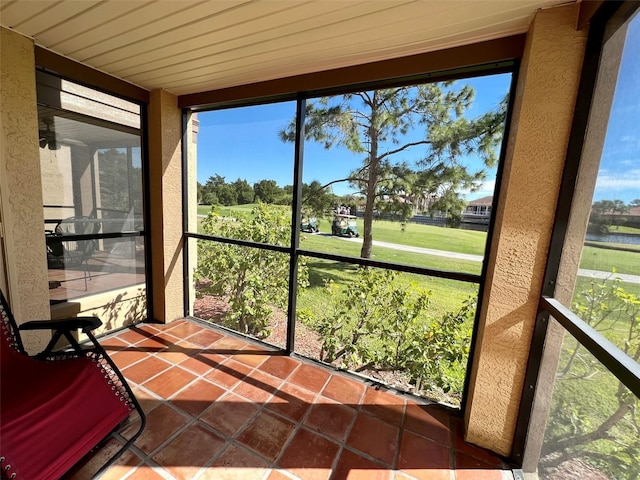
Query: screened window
[
  {"x": 336, "y": 226},
  {"x": 92, "y": 188}
]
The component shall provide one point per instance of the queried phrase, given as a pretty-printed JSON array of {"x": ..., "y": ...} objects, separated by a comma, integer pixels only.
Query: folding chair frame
[{"x": 93, "y": 349}]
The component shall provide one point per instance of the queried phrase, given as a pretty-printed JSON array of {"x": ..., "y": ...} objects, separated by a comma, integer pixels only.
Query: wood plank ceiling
[{"x": 188, "y": 46}]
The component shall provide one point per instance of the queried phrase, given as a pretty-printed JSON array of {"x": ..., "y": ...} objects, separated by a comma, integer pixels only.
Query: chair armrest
[
  {"x": 63, "y": 328},
  {"x": 68, "y": 324}
]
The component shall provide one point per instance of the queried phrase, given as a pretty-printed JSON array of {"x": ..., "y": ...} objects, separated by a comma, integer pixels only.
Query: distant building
[
  {"x": 629, "y": 217},
  {"x": 478, "y": 211}
]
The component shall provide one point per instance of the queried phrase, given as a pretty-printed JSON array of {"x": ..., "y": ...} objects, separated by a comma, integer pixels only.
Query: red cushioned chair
[{"x": 59, "y": 405}]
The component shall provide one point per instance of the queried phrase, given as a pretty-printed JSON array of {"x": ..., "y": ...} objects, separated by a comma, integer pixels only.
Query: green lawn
[
  {"x": 430, "y": 236},
  {"x": 447, "y": 295},
  {"x": 338, "y": 246},
  {"x": 439, "y": 238},
  {"x": 613, "y": 245},
  {"x": 624, "y": 229},
  {"x": 604, "y": 259},
  {"x": 426, "y": 236}
]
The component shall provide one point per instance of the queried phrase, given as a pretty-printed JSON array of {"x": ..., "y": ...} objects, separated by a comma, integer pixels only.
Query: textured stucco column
[
  {"x": 165, "y": 209},
  {"x": 21, "y": 185},
  {"x": 542, "y": 118},
  {"x": 600, "y": 111}
]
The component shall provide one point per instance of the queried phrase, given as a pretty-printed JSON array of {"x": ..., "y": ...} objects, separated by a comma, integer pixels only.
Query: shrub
[
  {"x": 379, "y": 325},
  {"x": 253, "y": 280},
  {"x": 593, "y": 416}
]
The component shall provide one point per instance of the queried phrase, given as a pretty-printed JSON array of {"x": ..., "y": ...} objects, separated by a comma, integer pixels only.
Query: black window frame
[
  {"x": 131, "y": 95},
  {"x": 614, "y": 360},
  {"x": 294, "y": 251}
]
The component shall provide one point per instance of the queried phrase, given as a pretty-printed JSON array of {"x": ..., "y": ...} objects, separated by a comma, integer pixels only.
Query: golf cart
[
  {"x": 310, "y": 225},
  {"x": 344, "y": 225}
]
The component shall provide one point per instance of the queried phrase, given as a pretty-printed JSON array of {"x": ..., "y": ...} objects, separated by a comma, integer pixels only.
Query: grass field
[
  {"x": 337, "y": 246},
  {"x": 447, "y": 295},
  {"x": 426, "y": 236},
  {"x": 613, "y": 245},
  {"x": 604, "y": 259},
  {"x": 448, "y": 239},
  {"x": 624, "y": 229}
]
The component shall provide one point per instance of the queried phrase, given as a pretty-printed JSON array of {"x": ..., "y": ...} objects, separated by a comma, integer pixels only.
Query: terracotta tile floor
[{"x": 219, "y": 407}]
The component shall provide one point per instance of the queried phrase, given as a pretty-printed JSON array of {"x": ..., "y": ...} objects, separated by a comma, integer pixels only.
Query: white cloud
[
  {"x": 628, "y": 179},
  {"x": 486, "y": 188}
]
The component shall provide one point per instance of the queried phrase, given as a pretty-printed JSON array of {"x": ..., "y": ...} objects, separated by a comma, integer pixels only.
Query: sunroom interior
[{"x": 112, "y": 114}]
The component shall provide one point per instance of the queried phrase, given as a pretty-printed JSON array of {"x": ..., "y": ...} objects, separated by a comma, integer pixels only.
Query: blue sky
[
  {"x": 619, "y": 174},
  {"x": 244, "y": 143}
]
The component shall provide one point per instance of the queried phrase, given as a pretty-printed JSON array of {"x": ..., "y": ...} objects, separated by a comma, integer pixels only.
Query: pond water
[{"x": 626, "y": 238}]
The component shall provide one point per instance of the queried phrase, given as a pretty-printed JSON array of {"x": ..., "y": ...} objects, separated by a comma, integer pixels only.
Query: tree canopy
[
  {"x": 605, "y": 213},
  {"x": 267, "y": 191},
  {"x": 384, "y": 125}
]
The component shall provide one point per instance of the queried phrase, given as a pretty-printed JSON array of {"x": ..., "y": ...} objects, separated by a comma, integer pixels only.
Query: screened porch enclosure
[
  {"x": 195, "y": 173},
  {"x": 264, "y": 172},
  {"x": 92, "y": 190}
]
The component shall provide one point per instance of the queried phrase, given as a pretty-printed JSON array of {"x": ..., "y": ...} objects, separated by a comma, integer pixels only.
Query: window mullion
[{"x": 295, "y": 223}]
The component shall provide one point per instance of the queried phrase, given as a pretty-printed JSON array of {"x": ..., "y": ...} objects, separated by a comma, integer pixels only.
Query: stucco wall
[
  {"x": 574, "y": 239},
  {"x": 115, "y": 308},
  {"x": 20, "y": 185},
  {"x": 22, "y": 206},
  {"x": 542, "y": 118},
  {"x": 165, "y": 172}
]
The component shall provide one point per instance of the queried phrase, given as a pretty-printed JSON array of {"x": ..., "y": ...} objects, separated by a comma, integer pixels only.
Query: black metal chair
[
  {"x": 60, "y": 404},
  {"x": 73, "y": 253}
]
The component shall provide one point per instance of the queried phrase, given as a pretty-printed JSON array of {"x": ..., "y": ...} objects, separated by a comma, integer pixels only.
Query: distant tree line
[
  {"x": 610, "y": 213},
  {"x": 316, "y": 200},
  {"x": 216, "y": 191}
]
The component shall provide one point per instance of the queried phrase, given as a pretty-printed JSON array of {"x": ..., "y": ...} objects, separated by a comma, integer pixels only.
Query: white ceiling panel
[
  {"x": 187, "y": 46},
  {"x": 53, "y": 15},
  {"x": 146, "y": 23},
  {"x": 78, "y": 28},
  {"x": 297, "y": 21},
  {"x": 18, "y": 13},
  {"x": 228, "y": 15}
]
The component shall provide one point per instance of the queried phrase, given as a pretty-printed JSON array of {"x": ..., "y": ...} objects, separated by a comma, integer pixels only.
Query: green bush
[
  {"x": 593, "y": 416},
  {"x": 252, "y": 280},
  {"x": 377, "y": 325}
]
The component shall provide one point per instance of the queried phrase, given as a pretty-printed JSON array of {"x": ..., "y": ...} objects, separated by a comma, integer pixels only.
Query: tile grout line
[
  {"x": 283, "y": 382},
  {"x": 196, "y": 419},
  {"x": 297, "y": 424},
  {"x": 191, "y": 419}
]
